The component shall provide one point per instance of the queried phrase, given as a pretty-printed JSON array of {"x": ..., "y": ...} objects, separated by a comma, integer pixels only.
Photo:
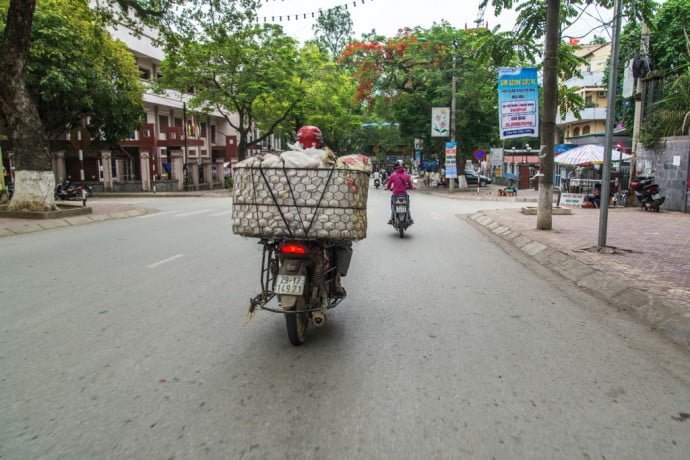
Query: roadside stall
[{"x": 586, "y": 161}]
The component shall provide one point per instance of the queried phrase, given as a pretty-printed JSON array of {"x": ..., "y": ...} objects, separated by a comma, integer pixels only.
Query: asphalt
[{"x": 644, "y": 269}]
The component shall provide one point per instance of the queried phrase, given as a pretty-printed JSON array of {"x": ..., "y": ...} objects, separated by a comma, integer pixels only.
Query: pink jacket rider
[{"x": 400, "y": 182}]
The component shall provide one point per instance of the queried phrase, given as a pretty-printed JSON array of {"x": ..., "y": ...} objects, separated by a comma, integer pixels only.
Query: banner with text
[
  {"x": 451, "y": 159},
  {"x": 518, "y": 102}
]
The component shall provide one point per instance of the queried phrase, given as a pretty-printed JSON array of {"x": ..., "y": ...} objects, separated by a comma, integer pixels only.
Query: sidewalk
[
  {"x": 644, "y": 269},
  {"x": 101, "y": 211}
]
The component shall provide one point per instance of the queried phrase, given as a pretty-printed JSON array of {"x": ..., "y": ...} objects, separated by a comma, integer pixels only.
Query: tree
[
  {"x": 412, "y": 72},
  {"x": 34, "y": 178},
  {"x": 328, "y": 102},
  {"x": 254, "y": 72},
  {"x": 669, "y": 40},
  {"x": 333, "y": 30},
  {"x": 79, "y": 76}
]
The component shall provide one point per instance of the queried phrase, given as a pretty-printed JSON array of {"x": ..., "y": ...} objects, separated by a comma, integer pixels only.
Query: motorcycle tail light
[{"x": 293, "y": 248}]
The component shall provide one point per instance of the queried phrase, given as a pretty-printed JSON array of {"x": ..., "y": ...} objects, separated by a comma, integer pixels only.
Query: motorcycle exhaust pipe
[{"x": 318, "y": 318}]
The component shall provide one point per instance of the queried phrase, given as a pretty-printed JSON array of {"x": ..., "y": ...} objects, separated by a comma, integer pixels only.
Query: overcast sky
[{"x": 387, "y": 16}]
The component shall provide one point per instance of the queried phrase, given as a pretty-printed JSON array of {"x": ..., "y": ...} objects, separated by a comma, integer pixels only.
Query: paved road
[{"x": 126, "y": 339}]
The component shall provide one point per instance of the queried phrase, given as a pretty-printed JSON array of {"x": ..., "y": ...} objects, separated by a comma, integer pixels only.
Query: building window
[
  {"x": 162, "y": 123},
  {"x": 204, "y": 153},
  {"x": 178, "y": 122},
  {"x": 576, "y": 131},
  {"x": 585, "y": 129},
  {"x": 144, "y": 73},
  {"x": 203, "y": 130},
  {"x": 213, "y": 134}
]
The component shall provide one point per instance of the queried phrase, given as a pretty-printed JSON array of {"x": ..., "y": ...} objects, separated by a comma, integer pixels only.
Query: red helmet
[{"x": 310, "y": 136}]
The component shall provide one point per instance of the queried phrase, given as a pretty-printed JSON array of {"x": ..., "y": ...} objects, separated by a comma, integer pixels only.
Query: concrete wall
[{"x": 672, "y": 178}]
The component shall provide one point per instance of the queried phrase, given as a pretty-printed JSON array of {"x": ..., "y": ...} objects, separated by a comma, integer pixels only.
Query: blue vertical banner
[
  {"x": 451, "y": 159},
  {"x": 518, "y": 102}
]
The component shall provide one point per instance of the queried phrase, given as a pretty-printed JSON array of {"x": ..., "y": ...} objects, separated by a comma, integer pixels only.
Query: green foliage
[
  {"x": 77, "y": 72},
  {"x": 333, "y": 30},
  {"x": 670, "y": 115},
  {"x": 669, "y": 40},
  {"x": 254, "y": 72}
]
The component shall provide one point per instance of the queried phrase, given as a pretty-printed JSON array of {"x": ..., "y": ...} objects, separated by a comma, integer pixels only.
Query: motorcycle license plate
[
  {"x": 401, "y": 209},
  {"x": 290, "y": 284}
]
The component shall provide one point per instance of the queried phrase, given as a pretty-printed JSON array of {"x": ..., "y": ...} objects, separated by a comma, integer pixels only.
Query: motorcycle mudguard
[{"x": 287, "y": 302}]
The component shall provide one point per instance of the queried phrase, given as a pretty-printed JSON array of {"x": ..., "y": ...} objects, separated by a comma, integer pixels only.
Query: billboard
[
  {"x": 451, "y": 159},
  {"x": 440, "y": 122},
  {"x": 518, "y": 102}
]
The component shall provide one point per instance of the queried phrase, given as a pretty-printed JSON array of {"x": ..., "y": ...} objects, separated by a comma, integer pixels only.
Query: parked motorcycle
[
  {"x": 302, "y": 274},
  {"x": 67, "y": 191},
  {"x": 401, "y": 216},
  {"x": 647, "y": 193}
]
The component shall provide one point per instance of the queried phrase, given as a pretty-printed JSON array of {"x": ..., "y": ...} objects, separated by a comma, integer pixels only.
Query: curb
[
  {"x": 68, "y": 222},
  {"x": 648, "y": 308}
]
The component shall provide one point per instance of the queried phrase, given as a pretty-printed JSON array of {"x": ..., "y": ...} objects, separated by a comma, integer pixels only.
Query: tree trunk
[
  {"x": 548, "y": 125},
  {"x": 34, "y": 178}
]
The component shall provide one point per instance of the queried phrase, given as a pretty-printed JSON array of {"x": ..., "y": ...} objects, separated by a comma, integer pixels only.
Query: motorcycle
[
  {"x": 302, "y": 274},
  {"x": 377, "y": 182},
  {"x": 401, "y": 216},
  {"x": 67, "y": 191},
  {"x": 647, "y": 193}
]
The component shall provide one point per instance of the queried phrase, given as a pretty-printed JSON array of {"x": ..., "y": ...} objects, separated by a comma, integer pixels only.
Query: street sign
[{"x": 479, "y": 154}]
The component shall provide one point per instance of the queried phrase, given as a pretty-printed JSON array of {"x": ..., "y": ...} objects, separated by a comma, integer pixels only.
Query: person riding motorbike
[
  {"x": 311, "y": 137},
  {"x": 399, "y": 182}
]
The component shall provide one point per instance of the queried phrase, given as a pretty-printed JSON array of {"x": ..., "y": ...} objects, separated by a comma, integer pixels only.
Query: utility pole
[
  {"x": 610, "y": 113},
  {"x": 453, "y": 87},
  {"x": 548, "y": 124},
  {"x": 640, "y": 94}
]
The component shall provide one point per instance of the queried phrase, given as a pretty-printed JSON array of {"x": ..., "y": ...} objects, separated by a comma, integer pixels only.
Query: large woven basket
[{"x": 300, "y": 203}]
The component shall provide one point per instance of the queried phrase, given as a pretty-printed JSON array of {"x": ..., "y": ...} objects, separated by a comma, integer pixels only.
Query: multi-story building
[
  {"x": 170, "y": 137},
  {"x": 592, "y": 119}
]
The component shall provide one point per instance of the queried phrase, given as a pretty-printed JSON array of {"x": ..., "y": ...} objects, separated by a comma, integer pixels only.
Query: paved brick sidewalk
[{"x": 659, "y": 245}]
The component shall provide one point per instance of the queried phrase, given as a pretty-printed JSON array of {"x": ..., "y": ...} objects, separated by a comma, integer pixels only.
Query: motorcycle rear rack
[{"x": 262, "y": 299}]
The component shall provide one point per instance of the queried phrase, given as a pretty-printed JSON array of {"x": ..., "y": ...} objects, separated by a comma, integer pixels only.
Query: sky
[{"x": 387, "y": 16}]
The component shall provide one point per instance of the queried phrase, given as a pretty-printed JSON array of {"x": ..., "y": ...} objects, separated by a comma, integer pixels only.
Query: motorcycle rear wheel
[
  {"x": 401, "y": 231},
  {"x": 297, "y": 323}
]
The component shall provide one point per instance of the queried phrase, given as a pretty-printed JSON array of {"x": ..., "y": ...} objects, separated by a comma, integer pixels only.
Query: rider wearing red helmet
[{"x": 310, "y": 137}]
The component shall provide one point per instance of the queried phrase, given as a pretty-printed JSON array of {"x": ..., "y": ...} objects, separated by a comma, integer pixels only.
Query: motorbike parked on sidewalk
[
  {"x": 302, "y": 273},
  {"x": 67, "y": 191},
  {"x": 647, "y": 193},
  {"x": 401, "y": 214}
]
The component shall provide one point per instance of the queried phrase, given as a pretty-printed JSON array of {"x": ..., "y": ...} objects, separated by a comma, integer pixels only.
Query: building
[{"x": 170, "y": 138}]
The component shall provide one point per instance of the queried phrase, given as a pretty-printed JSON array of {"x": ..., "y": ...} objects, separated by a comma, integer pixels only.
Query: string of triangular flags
[{"x": 310, "y": 14}]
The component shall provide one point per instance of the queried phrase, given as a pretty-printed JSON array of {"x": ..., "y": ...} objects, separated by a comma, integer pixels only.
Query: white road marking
[
  {"x": 193, "y": 213},
  {"x": 158, "y": 214},
  {"x": 164, "y": 261},
  {"x": 224, "y": 213}
]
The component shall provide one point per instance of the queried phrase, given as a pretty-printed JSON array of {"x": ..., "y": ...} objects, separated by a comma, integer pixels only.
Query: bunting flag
[{"x": 308, "y": 15}]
